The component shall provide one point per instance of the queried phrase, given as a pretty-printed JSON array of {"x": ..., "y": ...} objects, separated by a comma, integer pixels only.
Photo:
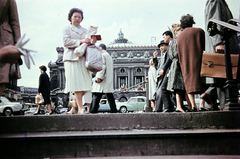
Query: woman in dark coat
[
  {"x": 191, "y": 43},
  {"x": 44, "y": 89}
]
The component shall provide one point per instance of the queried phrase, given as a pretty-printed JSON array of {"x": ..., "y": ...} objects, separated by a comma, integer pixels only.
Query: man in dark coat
[
  {"x": 217, "y": 9},
  {"x": 44, "y": 89},
  {"x": 158, "y": 64},
  {"x": 163, "y": 95}
]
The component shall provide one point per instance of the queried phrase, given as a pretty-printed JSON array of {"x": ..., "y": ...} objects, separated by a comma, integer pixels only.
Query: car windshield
[
  {"x": 5, "y": 100},
  {"x": 132, "y": 100}
]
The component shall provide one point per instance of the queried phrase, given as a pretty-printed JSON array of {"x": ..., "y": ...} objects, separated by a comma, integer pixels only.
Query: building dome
[{"x": 121, "y": 41}]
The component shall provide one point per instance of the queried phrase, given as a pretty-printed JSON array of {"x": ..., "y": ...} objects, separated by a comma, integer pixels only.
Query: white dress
[
  {"x": 78, "y": 78},
  {"x": 152, "y": 76}
]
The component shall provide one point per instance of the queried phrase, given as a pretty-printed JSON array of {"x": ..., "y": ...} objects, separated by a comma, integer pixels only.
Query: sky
[{"x": 43, "y": 21}]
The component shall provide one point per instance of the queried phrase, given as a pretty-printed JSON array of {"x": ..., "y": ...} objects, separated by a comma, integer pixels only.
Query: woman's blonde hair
[
  {"x": 151, "y": 62},
  {"x": 175, "y": 28}
]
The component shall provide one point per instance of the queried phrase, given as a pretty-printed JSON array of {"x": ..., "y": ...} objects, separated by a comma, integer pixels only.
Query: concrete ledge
[
  {"x": 101, "y": 122},
  {"x": 120, "y": 143}
]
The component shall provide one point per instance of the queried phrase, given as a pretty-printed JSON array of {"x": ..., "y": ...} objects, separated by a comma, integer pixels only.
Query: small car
[
  {"x": 133, "y": 104},
  {"x": 8, "y": 108},
  {"x": 103, "y": 106}
]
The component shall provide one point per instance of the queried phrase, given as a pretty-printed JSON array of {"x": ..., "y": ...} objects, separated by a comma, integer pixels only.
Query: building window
[
  {"x": 139, "y": 70},
  {"x": 122, "y": 81},
  {"x": 122, "y": 70},
  {"x": 138, "y": 79}
]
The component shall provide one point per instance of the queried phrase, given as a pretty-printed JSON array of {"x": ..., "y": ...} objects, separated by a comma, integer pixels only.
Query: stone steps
[{"x": 115, "y": 135}]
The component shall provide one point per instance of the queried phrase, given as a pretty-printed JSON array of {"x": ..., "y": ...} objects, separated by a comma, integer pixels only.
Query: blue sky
[{"x": 43, "y": 21}]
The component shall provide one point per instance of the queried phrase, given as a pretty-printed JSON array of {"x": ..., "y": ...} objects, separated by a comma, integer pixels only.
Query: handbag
[
  {"x": 39, "y": 99},
  {"x": 93, "y": 61},
  {"x": 213, "y": 65},
  {"x": 80, "y": 50}
]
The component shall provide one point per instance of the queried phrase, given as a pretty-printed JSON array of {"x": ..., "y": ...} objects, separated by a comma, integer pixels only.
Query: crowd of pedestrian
[
  {"x": 178, "y": 70},
  {"x": 172, "y": 79}
]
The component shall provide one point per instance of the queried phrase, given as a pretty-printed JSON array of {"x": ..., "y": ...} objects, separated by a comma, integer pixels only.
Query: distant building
[
  {"x": 131, "y": 64},
  {"x": 28, "y": 94}
]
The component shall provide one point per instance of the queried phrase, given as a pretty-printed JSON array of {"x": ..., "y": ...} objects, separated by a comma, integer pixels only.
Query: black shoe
[
  {"x": 203, "y": 109},
  {"x": 194, "y": 109},
  {"x": 188, "y": 110},
  {"x": 36, "y": 113},
  {"x": 167, "y": 110}
]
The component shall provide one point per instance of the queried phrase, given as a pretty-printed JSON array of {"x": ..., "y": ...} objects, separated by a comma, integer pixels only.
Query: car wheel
[
  {"x": 7, "y": 111},
  {"x": 123, "y": 109}
]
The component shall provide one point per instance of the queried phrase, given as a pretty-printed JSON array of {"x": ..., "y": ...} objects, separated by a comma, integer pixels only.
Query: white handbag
[{"x": 39, "y": 99}]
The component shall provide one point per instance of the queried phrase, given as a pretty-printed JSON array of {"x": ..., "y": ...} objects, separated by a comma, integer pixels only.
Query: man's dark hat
[{"x": 162, "y": 42}]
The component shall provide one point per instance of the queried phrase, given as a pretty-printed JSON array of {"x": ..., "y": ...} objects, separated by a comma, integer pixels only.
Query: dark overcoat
[
  {"x": 44, "y": 87},
  {"x": 190, "y": 44}
]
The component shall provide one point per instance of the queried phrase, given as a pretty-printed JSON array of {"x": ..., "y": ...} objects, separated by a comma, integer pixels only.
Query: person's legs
[
  {"x": 159, "y": 103},
  {"x": 78, "y": 97},
  {"x": 37, "y": 110},
  {"x": 96, "y": 97},
  {"x": 221, "y": 96},
  {"x": 49, "y": 108},
  {"x": 179, "y": 101},
  {"x": 73, "y": 105},
  {"x": 153, "y": 104},
  {"x": 192, "y": 100},
  {"x": 111, "y": 102}
]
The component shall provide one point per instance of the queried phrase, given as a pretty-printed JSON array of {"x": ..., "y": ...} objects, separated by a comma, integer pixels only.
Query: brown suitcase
[{"x": 213, "y": 65}]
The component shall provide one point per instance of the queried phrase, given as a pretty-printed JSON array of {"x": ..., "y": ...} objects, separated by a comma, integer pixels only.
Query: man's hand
[
  {"x": 9, "y": 54},
  {"x": 155, "y": 53},
  {"x": 86, "y": 40},
  {"x": 220, "y": 48},
  {"x": 161, "y": 73},
  {"x": 98, "y": 80}
]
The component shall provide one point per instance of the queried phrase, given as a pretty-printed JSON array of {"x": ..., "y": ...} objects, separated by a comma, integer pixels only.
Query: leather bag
[{"x": 213, "y": 65}]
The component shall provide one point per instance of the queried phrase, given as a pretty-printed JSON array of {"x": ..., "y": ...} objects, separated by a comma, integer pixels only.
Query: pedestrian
[
  {"x": 190, "y": 46},
  {"x": 175, "y": 78},
  {"x": 10, "y": 33},
  {"x": 164, "y": 70},
  {"x": 78, "y": 78},
  {"x": 44, "y": 89},
  {"x": 219, "y": 10},
  {"x": 103, "y": 83},
  {"x": 152, "y": 82},
  {"x": 158, "y": 64}
]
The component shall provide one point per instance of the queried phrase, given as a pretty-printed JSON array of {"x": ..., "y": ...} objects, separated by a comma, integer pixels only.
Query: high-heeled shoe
[
  {"x": 194, "y": 109},
  {"x": 177, "y": 110},
  {"x": 203, "y": 109},
  {"x": 36, "y": 113},
  {"x": 82, "y": 111}
]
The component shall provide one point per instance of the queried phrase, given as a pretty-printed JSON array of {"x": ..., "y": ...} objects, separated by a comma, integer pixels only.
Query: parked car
[
  {"x": 103, "y": 106},
  {"x": 133, "y": 104},
  {"x": 8, "y": 108}
]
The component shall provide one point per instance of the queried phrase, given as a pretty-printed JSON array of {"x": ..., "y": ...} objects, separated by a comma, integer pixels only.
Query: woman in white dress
[
  {"x": 78, "y": 78},
  {"x": 152, "y": 79}
]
